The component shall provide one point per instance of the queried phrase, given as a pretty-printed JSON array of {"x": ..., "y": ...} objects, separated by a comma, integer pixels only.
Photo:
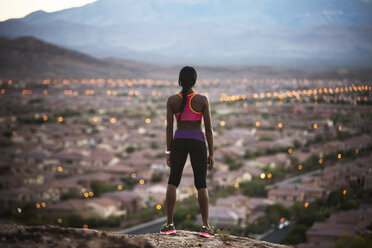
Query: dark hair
[{"x": 186, "y": 79}]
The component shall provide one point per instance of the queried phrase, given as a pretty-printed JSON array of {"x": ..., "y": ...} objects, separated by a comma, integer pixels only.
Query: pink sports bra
[{"x": 188, "y": 113}]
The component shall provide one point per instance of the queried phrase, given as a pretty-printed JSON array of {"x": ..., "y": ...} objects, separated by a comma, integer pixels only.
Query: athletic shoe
[
  {"x": 207, "y": 231},
  {"x": 168, "y": 228}
]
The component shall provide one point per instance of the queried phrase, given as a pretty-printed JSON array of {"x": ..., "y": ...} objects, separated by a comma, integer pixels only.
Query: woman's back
[{"x": 193, "y": 111}]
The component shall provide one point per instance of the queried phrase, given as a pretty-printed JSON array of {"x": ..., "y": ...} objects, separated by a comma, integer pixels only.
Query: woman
[{"x": 188, "y": 108}]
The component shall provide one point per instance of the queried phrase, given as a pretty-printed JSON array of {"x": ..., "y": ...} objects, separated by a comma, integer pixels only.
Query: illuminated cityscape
[
  {"x": 86, "y": 146},
  {"x": 89, "y": 153}
]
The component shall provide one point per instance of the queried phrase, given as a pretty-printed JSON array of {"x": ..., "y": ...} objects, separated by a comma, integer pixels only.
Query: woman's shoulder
[
  {"x": 174, "y": 98},
  {"x": 203, "y": 98}
]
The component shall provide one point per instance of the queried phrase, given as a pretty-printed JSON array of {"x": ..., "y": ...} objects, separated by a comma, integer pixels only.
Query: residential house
[
  {"x": 105, "y": 207},
  {"x": 286, "y": 195},
  {"x": 130, "y": 201},
  {"x": 32, "y": 157},
  {"x": 223, "y": 179},
  {"x": 68, "y": 207},
  {"x": 151, "y": 193},
  {"x": 225, "y": 217},
  {"x": 350, "y": 222},
  {"x": 14, "y": 198}
]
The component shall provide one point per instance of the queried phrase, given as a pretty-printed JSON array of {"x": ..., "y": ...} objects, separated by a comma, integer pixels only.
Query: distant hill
[
  {"x": 317, "y": 34},
  {"x": 29, "y": 57}
]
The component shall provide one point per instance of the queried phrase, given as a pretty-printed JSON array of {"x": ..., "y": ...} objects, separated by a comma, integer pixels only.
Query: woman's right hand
[
  {"x": 210, "y": 162},
  {"x": 168, "y": 160}
]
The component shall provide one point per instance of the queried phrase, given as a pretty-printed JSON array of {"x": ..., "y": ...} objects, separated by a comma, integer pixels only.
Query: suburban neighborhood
[{"x": 90, "y": 153}]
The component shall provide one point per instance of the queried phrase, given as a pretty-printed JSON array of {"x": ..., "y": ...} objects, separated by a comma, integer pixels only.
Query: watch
[{"x": 167, "y": 152}]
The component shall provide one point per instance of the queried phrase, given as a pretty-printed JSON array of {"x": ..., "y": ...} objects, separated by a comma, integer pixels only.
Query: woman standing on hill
[{"x": 188, "y": 108}]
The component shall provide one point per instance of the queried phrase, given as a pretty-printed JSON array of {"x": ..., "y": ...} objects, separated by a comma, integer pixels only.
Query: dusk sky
[{"x": 20, "y": 8}]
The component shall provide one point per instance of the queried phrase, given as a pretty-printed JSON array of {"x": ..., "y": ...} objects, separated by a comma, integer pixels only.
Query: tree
[
  {"x": 71, "y": 194},
  {"x": 256, "y": 187},
  {"x": 348, "y": 204},
  {"x": 130, "y": 149},
  {"x": 277, "y": 211},
  {"x": 297, "y": 144},
  {"x": 100, "y": 188},
  {"x": 156, "y": 178},
  {"x": 349, "y": 241}
]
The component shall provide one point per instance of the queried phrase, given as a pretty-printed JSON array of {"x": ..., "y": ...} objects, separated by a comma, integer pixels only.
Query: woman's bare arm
[
  {"x": 169, "y": 128},
  {"x": 208, "y": 125}
]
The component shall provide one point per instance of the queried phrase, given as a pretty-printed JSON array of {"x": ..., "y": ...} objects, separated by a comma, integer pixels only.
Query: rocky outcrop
[{"x": 51, "y": 236}]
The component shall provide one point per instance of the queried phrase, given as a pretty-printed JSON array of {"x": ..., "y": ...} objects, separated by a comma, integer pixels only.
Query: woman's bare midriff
[{"x": 189, "y": 125}]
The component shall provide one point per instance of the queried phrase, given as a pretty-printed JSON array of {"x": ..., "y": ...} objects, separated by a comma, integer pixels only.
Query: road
[
  {"x": 275, "y": 235},
  {"x": 147, "y": 227},
  {"x": 292, "y": 179}
]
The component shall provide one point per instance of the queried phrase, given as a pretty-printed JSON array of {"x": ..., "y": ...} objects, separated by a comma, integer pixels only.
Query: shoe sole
[
  {"x": 207, "y": 235},
  {"x": 168, "y": 232}
]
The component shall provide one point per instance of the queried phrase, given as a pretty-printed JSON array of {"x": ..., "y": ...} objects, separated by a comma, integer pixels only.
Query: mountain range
[
  {"x": 317, "y": 34},
  {"x": 28, "y": 57}
]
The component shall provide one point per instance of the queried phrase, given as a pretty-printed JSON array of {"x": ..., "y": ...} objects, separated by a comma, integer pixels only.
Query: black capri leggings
[{"x": 198, "y": 156}]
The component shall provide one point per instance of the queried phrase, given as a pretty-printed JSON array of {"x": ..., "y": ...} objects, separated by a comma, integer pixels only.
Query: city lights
[{"x": 112, "y": 130}]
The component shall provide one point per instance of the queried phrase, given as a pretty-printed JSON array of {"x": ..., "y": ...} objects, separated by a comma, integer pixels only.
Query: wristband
[{"x": 167, "y": 152}]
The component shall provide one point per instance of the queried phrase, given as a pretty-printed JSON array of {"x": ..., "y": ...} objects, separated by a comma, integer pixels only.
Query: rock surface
[{"x": 51, "y": 236}]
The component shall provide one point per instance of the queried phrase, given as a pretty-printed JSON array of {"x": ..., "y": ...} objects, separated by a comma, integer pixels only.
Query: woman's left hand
[{"x": 168, "y": 160}]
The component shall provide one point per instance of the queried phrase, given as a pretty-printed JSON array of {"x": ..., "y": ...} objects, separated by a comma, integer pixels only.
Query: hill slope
[
  {"x": 30, "y": 57},
  {"x": 51, "y": 236}
]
